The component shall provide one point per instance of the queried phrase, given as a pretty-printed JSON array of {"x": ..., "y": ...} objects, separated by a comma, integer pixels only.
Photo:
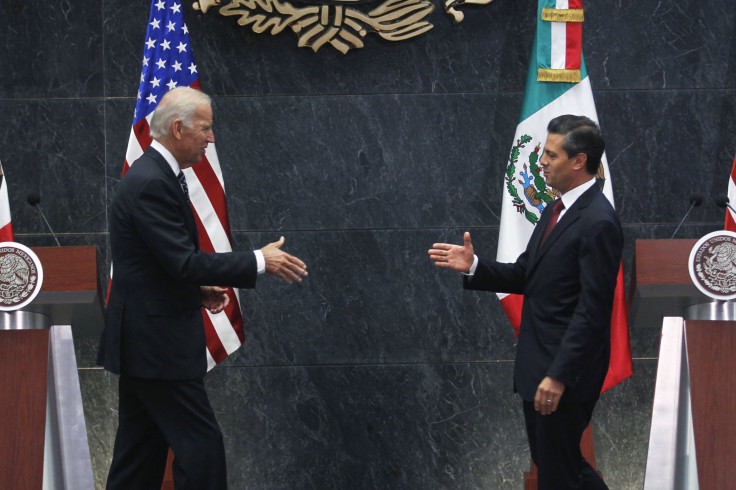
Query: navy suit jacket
[
  {"x": 154, "y": 327},
  {"x": 568, "y": 286}
]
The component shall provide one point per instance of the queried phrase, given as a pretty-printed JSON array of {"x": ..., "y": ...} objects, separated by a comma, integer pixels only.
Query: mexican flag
[
  {"x": 730, "y": 223},
  {"x": 557, "y": 83}
]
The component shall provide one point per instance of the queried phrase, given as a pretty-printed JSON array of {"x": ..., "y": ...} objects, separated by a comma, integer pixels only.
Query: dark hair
[{"x": 582, "y": 135}]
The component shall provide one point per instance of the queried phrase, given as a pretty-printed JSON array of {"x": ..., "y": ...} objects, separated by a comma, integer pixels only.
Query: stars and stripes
[
  {"x": 168, "y": 62},
  {"x": 6, "y": 227}
]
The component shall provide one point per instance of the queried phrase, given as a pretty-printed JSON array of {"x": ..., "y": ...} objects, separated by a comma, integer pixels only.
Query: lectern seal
[
  {"x": 21, "y": 276},
  {"x": 712, "y": 265}
]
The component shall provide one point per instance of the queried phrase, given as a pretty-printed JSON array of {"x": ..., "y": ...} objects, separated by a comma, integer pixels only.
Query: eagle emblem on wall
[{"x": 340, "y": 23}]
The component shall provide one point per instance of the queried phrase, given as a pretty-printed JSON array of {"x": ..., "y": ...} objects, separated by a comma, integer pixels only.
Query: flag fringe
[
  {"x": 564, "y": 76},
  {"x": 562, "y": 15}
]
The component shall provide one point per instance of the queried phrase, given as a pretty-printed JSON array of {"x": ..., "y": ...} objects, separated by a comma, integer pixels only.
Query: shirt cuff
[
  {"x": 471, "y": 272},
  {"x": 260, "y": 262}
]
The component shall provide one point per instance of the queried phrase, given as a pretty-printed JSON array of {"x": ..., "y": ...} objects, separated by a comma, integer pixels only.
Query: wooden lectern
[
  {"x": 69, "y": 295},
  {"x": 703, "y": 356}
]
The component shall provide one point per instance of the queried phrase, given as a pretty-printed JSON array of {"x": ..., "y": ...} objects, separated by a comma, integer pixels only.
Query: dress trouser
[
  {"x": 158, "y": 414},
  {"x": 554, "y": 441}
]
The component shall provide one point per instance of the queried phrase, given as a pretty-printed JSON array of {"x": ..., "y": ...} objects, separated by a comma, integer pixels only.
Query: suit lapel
[
  {"x": 567, "y": 220},
  {"x": 173, "y": 181}
]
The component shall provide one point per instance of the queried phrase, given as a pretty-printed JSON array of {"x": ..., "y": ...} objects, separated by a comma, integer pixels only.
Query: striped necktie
[{"x": 183, "y": 183}]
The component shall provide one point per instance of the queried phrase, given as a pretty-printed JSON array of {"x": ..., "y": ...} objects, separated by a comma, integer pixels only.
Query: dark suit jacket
[
  {"x": 568, "y": 286},
  {"x": 154, "y": 326}
]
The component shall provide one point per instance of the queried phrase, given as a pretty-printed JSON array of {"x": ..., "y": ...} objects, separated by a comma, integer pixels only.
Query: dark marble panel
[
  {"x": 663, "y": 146},
  {"x": 364, "y": 162},
  {"x": 118, "y": 122},
  {"x": 100, "y": 399},
  {"x": 621, "y": 423},
  {"x": 687, "y": 46},
  {"x": 488, "y": 51},
  {"x": 54, "y": 148},
  {"x": 124, "y": 34},
  {"x": 388, "y": 427},
  {"x": 649, "y": 45},
  {"x": 371, "y": 297},
  {"x": 50, "y": 49}
]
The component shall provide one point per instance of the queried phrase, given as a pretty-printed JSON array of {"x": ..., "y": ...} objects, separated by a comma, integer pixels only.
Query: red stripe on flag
[
  {"x": 574, "y": 45},
  {"x": 619, "y": 367},
  {"x": 234, "y": 314},
  {"x": 730, "y": 224},
  {"x": 205, "y": 243},
  {"x": 6, "y": 233},
  {"x": 233, "y": 309},
  {"x": 575, "y": 4},
  {"x": 215, "y": 193},
  {"x": 512, "y": 306},
  {"x": 214, "y": 345}
]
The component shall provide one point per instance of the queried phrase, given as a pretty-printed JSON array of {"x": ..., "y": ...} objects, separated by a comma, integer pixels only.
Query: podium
[
  {"x": 692, "y": 441},
  {"x": 43, "y": 438}
]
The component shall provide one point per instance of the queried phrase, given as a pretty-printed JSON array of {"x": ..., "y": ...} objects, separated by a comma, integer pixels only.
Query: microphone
[
  {"x": 34, "y": 199},
  {"x": 695, "y": 200},
  {"x": 722, "y": 201}
]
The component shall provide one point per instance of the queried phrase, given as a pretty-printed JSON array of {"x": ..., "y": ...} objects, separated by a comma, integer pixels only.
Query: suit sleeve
[
  {"x": 161, "y": 225},
  {"x": 497, "y": 276},
  {"x": 587, "y": 337}
]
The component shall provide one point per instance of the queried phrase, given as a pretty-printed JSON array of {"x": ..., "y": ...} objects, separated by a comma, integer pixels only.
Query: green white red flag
[{"x": 557, "y": 83}]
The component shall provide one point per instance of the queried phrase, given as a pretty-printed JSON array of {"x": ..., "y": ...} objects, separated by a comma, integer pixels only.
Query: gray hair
[{"x": 179, "y": 103}]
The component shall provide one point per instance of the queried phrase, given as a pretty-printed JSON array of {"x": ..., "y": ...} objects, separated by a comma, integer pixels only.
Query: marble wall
[{"x": 378, "y": 371}]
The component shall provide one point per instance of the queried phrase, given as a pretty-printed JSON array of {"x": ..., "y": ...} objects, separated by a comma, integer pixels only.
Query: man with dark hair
[
  {"x": 154, "y": 335},
  {"x": 567, "y": 275}
]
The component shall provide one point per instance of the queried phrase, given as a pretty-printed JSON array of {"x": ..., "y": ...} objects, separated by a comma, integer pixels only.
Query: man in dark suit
[
  {"x": 567, "y": 275},
  {"x": 154, "y": 336}
]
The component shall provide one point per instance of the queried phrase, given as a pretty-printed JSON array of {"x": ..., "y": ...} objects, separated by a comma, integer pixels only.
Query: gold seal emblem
[
  {"x": 712, "y": 265},
  {"x": 21, "y": 276},
  {"x": 340, "y": 26}
]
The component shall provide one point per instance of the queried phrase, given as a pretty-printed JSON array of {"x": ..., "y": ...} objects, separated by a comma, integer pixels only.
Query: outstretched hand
[
  {"x": 455, "y": 257},
  {"x": 214, "y": 298},
  {"x": 282, "y": 265}
]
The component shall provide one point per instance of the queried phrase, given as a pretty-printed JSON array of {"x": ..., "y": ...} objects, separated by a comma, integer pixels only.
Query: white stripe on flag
[
  {"x": 211, "y": 155},
  {"x": 559, "y": 45},
  {"x": 225, "y": 332},
  {"x": 134, "y": 150},
  {"x": 207, "y": 214},
  {"x": 210, "y": 361}
]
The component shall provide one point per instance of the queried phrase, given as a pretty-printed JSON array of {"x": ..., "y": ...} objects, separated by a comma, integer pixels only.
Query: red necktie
[{"x": 553, "y": 221}]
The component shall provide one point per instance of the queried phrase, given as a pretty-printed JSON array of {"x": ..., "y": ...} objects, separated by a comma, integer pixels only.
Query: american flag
[
  {"x": 168, "y": 63},
  {"x": 6, "y": 227}
]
